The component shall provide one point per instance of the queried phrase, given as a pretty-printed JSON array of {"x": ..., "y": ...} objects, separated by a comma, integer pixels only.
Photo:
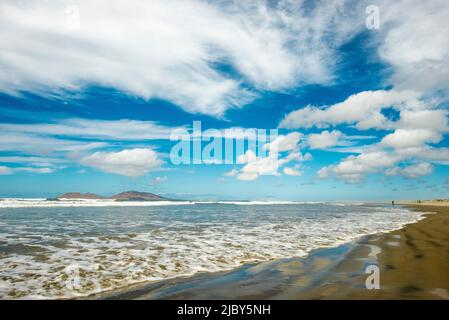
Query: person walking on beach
[{"x": 392, "y": 203}]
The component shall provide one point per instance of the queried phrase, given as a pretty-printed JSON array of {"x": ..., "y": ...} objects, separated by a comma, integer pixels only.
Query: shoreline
[{"x": 413, "y": 263}]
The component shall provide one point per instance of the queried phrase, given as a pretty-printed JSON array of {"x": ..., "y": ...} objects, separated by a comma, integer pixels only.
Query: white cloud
[
  {"x": 231, "y": 173},
  {"x": 362, "y": 109},
  {"x": 42, "y": 145},
  {"x": 419, "y": 125},
  {"x": 35, "y": 170},
  {"x": 283, "y": 150},
  {"x": 123, "y": 129},
  {"x": 292, "y": 171},
  {"x": 416, "y": 47},
  {"x": 415, "y": 43},
  {"x": 34, "y": 161},
  {"x": 412, "y": 171},
  {"x": 170, "y": 49},
  {"x": 258, "y": 166},
  {"x": 408, "y": 138},
  {"x": 434, "y": 119},
  {"x": 247, "y": 176},
  {"x": 355, "y": 168},
  {"x": 5, "y": 170},
  {"x": 391, "y": 172},
  {"x": 58, "y": 143},
  {"x": 10, "y": 170},
  {"x": 248, "y": 156},
  {"x": 439, "y": 155},
  {"x": 130, "y": 162},
  {"x": 417, "y": 170},
  {"x": 284, "y": 143},
  {"x": 158, "y": 180},
  {"x": 324, "y": 172},
  {"x": 325, "y": 139}
]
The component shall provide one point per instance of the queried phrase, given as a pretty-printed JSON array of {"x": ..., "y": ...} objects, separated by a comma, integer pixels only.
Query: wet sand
[{"x": 413, "y": 264}]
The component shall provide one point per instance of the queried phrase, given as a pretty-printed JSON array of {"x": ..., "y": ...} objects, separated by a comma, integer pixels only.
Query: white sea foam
[
  {"x": 28, "y": 203},
  {"x": 254, "y": 202},
  {"x": 43, "y": 203},
  {"x": 116, "y": 247}
]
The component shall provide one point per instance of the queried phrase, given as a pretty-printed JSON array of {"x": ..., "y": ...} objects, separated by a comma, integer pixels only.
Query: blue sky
[{"x": 90, "y": 93}]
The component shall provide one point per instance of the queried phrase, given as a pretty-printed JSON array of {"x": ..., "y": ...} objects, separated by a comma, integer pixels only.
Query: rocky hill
[
  {"x": 77, "y": 195},
  {"x": 124, "y": 196},
  {"x": 137, "y": 196}
]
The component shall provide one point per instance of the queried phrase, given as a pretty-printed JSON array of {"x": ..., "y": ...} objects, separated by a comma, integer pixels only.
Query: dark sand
[{"x": 413, "y": 264}]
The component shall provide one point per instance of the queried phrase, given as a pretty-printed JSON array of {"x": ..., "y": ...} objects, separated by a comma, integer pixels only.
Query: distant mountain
[
  {"x": 124, "y": 196},
  {"x": 137, "y": 196},
  {"x": 77, "y": 195}
]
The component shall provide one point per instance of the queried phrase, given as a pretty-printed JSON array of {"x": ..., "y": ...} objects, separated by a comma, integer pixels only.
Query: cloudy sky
[{"x": 90, "y": 92}]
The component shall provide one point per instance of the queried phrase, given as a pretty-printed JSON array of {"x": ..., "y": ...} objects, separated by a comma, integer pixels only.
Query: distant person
[{"x": 392, "y": 203}]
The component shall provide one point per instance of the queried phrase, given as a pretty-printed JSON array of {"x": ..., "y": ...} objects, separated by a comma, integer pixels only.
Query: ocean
[{"x": 66, "y": 249}]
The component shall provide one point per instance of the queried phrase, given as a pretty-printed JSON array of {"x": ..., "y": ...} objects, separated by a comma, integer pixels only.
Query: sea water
[{"x": 64, "y": 249}]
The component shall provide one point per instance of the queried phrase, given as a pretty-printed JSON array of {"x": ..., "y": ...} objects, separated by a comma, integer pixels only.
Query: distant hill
[
  {"x": 124, "y": 196},
  {"x": 137, "y": 196},
  {"x": 77, "y": 195}
]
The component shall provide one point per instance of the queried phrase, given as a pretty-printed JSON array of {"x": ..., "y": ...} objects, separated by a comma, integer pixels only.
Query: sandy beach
[
  {"x": 413, "y": 261},
  {"x": 413, "y": 264}
]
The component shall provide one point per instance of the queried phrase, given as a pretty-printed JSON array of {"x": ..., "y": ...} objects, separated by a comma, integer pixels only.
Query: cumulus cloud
[
  {"x": 408, "y": 138},
  {"x": 130, "y": 162},
  {"x": 417, "y": 170},
  {"x": 355, "y": 168},
  {"x": 325, "y": 139},
  {"x": 284, "y": 142},
  {"x": 255, "y": 166},
  {"x": 362, "y": 109},
  {"x": 172, "y": 49},
  {"x": 411, "y": 171},
  {"x": 419, "y": 124},
  {"x": 337, "y": 141},
  {"x": 438, "y": 155},
  {"x": 283, "y": 150},
  {"x": 427, "y": 119}
]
